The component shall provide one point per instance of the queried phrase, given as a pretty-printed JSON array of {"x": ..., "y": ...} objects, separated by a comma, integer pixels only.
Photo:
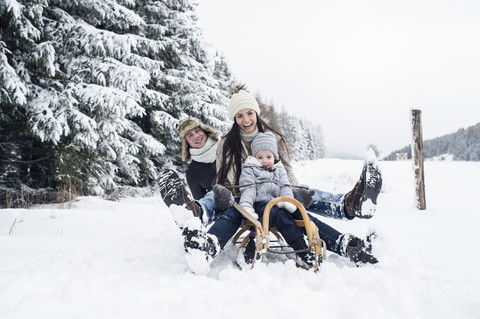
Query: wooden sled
[{"x": 262, "y": 238}]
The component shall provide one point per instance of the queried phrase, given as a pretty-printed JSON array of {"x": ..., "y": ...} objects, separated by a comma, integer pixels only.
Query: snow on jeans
[
  {"x": 327, "y": 204},
  {"x": 208, "y": 205}
]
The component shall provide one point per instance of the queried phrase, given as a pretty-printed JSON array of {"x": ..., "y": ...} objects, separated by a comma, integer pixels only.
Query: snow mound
[{"x": 125, "y": 259}]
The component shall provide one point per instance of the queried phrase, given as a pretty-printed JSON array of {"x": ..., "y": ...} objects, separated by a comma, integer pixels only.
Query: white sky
[{"x": 355, "y": 67}]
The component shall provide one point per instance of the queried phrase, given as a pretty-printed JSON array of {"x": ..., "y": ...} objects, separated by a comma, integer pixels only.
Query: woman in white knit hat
[{"x": 234, "y": 148}]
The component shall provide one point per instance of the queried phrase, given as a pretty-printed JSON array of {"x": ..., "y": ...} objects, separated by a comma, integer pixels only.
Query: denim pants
[
  {"x": 208, "y": 205},
  {"x": 327, "y": 233},
  {"x": 229, "y": 222},
  {"x": 324, "y": 204},
  {"x": 226, "y": 225},
  {"x": 327, "y": 204}
]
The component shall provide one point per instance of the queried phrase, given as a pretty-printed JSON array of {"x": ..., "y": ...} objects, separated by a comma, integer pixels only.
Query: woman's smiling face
[{"x": 246, "y": 120}]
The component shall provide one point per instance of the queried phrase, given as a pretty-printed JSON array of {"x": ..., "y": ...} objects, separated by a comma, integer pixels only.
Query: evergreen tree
[
  {"x": 304, "y": 139},
  {"x": 23, "y": 160},
  {"x": 315, "y": 137},
  {"x": 97, "y": 87},
  {"x": 269, "y": 113},
  {"x": 464, "y": 145}
]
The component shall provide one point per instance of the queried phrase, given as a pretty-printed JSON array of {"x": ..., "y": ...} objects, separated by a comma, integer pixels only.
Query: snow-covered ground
[{"x": 101, "y": 259}]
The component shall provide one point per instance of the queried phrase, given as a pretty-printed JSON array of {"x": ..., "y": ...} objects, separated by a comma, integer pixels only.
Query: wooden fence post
[{"x": 417, "y": 158}]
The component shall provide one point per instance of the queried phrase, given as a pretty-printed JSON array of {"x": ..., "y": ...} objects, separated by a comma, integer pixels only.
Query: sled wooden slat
[{"x": 262, "y": 240}]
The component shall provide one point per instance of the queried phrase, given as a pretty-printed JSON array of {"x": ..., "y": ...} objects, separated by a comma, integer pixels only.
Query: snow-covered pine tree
[
  {"x": 301, "y": 140},
  {"x": 102, "y": 84},
  {"x": 269, "y": 113},
  {"x": 22, "y": 160},
  {"x": 304, "y": 139},
  {"x": 463, "y": 145},
  {"x": 316, "y": 144}
]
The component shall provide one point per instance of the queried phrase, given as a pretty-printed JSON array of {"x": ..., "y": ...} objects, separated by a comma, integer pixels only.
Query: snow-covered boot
[
  {"x": 201, "y": 248},
  {"x": 174, "y": 192},
  {"x": 356, "y": 250},
  {"x": 361, "y": 201},
  {"x": 197, "y": 239},
  {"x": 246, "y": 255},
  {"x": 223, "y": 197},
  {"x": 250, "y": 249},
  {"x": 307, "y": 257}
]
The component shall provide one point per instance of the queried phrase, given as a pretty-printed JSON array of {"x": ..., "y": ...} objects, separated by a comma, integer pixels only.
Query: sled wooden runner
[{"x": 262, "y": 239}]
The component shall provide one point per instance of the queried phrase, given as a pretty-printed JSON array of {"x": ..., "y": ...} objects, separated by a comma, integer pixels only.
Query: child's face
[{"x": 265, "y": 158}]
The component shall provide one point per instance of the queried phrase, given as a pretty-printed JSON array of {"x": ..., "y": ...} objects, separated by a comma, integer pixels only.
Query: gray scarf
[
  {"x": 246, "y": 141},
  {"x": 206, "y": 154}
]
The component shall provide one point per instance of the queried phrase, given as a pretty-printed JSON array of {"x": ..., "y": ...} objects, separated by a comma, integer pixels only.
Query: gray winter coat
[{"x": 252, "y": 172}]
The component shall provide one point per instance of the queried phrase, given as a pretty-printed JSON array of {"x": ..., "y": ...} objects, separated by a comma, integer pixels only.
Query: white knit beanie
[
  {"x": 242, "y": 100},
  {"x": 264, "y": 142}
]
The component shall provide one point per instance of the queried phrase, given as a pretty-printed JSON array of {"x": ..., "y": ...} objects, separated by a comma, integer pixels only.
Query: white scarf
[{"x": 206, "y": 154}]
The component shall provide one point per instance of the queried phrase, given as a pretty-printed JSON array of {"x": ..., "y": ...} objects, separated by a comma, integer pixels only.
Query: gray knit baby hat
[{"x": 264, "y": 142}]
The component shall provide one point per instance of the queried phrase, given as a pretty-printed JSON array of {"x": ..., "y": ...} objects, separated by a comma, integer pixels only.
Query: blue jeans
[
  {"x": 208, "y": 205},
  {"x": 327, "y": 204},
  {"x": 327, "y": 233},
  {"x": 324, "y": 204},
  {"x": 226, "y": 225}
]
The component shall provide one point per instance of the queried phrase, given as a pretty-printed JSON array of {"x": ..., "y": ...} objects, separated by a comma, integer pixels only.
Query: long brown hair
[{"x": 232, "y": 151}]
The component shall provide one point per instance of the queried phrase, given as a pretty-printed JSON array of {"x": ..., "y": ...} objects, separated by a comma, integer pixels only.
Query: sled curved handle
[
  {"x": 311, "y": 229},
  {"x": 275, "y": 201}
]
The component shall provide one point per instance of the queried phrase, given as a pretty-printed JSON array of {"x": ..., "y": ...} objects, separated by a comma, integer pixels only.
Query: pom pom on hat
[
  {"x": 264, "y": 142},
  {"x": 242, "y": 100}
]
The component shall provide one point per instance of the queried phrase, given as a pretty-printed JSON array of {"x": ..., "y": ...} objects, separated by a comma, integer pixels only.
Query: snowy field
[{"x": 101, "y": 259}]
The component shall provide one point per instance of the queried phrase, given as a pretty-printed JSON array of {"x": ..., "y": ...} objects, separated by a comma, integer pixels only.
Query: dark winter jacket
[{"x": 200, "y": 177}]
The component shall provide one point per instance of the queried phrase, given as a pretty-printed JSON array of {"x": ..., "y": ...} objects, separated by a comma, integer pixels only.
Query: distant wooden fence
[{"x": 417, "y": 157}]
